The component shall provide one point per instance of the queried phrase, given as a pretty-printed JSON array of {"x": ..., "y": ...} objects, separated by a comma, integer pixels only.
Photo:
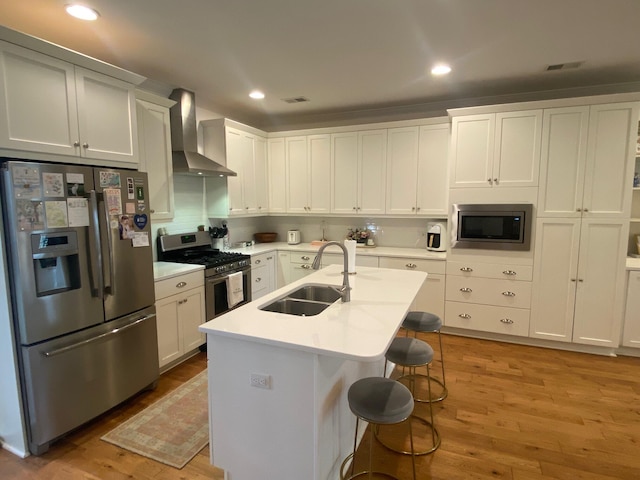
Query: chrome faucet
[{"x": 345, "y": 290}]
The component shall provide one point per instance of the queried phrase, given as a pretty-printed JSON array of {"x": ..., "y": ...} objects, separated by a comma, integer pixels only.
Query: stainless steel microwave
[{"x": 499, "y": 226}]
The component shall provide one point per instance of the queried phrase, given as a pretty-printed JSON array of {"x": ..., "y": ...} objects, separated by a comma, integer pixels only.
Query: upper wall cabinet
[
  {"x": 417, "y": 160},
  {"x": 53, "y": 107},
  {"x": 587, "y": 161},
  {"x": 308, "y": 165},
  {"x": 154, "y": 139},
  {"x": 277, "y": 174},
  {"x": 358, "y": 172},
  {"x": 496, "y": 150}
]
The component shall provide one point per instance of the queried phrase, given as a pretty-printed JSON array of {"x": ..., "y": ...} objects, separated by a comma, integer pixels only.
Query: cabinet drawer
[
  {"x": 486, "y": 318},
  {"x": 298, "y": 257},
  {"x": 490, "y": 270},
  {"x": 174, "y": 285},
  {"x": 259, "y": 281},
  {"x": 421, "y": 265},
  {"x": 488, "y": 291},
  {"x": 262, "y": 259}
]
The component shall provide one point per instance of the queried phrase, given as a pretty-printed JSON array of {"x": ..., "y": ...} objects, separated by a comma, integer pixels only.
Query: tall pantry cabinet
[{"x": 582, "y": 224}]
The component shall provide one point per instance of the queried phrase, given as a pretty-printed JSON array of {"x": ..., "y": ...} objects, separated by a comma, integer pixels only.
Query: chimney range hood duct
[{"x": 184, "y": 139}]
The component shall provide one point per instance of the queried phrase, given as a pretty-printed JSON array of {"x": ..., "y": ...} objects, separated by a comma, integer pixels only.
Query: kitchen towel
[
  {"x": 350, "y": 245},
  {"x": 235, "y": 293}
]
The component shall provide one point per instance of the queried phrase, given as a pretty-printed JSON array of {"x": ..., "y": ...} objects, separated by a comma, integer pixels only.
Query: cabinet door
[
  {"x": 555, "y": 278},
  {"x": 192, "y": 314},
  {"x": 372, "y": 172},
  {"x": 402, "y": 168},
  {"x": 472, "y": 141},
  {"x": 563, "y": 159},
  {"x": 516, "y": 160},
  {"x": 600, "y": 293},
  {"x": 260, "y": 174},
  {"x": 248, "y": 179},
  {"x": 610, "y": 155},
  {"x": 430, "y": 298},
  {"x": 631, "y": 335},
  {"x": 169, "y": 341},
  {"x": 344, "y": 158},
  {"x": 106, "y": 117},
  {"x": 319, "y": 180},
  {"x": 277, "y": 176},
  {"x": 234, "y": 144},
  {"x": 37, "y": 102},
  {"x": 297, "y": 174},
  {"x": 433, "y": 161},
  {"x": 154, "y": 139}
]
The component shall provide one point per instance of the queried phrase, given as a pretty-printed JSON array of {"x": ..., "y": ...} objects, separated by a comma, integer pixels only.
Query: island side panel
[{"x": 255, "y": 432}]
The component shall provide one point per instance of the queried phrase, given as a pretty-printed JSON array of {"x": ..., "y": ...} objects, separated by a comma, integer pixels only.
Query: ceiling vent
[
  {"x": 295, "y": 99},
  {"x": 563, "y": 66}
]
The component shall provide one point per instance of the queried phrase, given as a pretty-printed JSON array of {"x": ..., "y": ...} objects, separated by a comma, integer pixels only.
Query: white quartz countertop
[
  {"x": 361, "y": 329},
  {"x": 259, "y": 248},
  {"x": 163, "y": 270},
  {"x": 633, "y": 263}
]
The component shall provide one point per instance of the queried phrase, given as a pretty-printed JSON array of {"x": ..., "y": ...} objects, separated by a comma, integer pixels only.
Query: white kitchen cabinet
[
  {"x": 431, "y": 297},
  {"x": 496, "y": 150},
  {"x": 358, "y": 172},
  {"x": 587, "y": 161},
  {"x": 578, "y": 288},
  {"x": 631, "y": 332},
  {"x": 402, "y": 168},
  {"x": 263, "y": 274},
  {"x": 489, "y": 297},
  {"x": 300, "y": 265},
  {"x": 180, "y": 310},
  {"x": 53, "y": 107},
  {"x": 277, "y": 175},
  {"x": 308, "y": 161},
  {"x": 154, "y": 140}
]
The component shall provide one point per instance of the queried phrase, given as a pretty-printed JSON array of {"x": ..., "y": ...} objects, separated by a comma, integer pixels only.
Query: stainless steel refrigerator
[{"x": 81, "y": 273}]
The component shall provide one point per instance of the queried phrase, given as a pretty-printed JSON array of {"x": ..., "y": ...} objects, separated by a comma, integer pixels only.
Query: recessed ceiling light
[
  {"x": 257, "y": 95},
  {"x": 440, "y": 69},
  {"x": 82, "y": 12}
]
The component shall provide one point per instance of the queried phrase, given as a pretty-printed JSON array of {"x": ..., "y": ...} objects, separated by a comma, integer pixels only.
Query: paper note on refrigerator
[{"x": 78, "y": 212}]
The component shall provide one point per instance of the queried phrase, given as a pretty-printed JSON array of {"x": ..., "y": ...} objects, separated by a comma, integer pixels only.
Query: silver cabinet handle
[
  {"x": 85, "y": 145},
  {"x": 181, "y": 284},
  {"x": 509, "y": 272},
  {"x": 495, "y": 180},
  {"x": 573, "y": 279},
  {"x": 411, "y": 265},
  {"x": 578, "y": 209},
  {"x": 305, "y": 258},
  {"x": 258, "y": 280},
  {"x": 585, "y": 209},
  {"x": 581, "y": 279},
  {"x": 355, "y": 208},
  {"x": 466, "y": 269},
  {"x": 305, "y": 266},
  {"x": 509, "y": 294},
  {"x": 417, "y": 209},
  {"x": 269, "y": 258},
  {"x": 506, "y": 320},
  {"x": 466, "y": 290},
  {"x": 490, "y": 181},
  {"x": 76, "y": 143},
  {"x": 464, "y": 315},
  {"x": 413, "y": 209},
  {"x": 258, "y": 261}
]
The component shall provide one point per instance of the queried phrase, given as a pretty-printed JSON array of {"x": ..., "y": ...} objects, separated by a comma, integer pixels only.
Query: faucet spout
[{"x": 345, "y": 290}]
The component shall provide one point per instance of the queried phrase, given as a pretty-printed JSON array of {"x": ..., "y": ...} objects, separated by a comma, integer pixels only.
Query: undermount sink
[{"x": 306, "y": 301}]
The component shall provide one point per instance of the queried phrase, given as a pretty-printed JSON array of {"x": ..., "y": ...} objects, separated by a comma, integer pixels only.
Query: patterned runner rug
[{"x": 173, "y": 429}]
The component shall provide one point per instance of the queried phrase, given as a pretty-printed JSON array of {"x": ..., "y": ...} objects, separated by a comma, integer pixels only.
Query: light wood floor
[{"x": 513, "y": 413}]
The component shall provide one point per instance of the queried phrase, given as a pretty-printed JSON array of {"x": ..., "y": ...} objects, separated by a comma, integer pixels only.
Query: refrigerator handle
[
  {"x": 95, "y": 257},
  {"x": 110, "y": 286}
]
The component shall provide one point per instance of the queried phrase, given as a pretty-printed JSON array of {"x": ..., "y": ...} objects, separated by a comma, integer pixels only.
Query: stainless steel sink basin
[
  {"x": 315, "y": 292},
  {"x": 306, "y": 301}
]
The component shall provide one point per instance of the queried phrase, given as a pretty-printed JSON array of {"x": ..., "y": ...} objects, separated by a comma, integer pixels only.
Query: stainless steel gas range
[{"x": 195, "y": 248}]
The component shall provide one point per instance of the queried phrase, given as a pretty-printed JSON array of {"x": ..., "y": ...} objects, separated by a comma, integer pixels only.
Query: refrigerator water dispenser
[{"x": 55, "y": 262}]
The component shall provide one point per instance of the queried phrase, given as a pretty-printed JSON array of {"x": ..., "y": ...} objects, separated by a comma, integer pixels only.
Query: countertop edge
[{"x": 165, "y": 270}]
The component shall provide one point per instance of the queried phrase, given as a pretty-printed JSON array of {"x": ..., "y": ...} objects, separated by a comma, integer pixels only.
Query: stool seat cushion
[
  {"x": 380, "y": 400},
  {"x": 422, "y": 322},
  {"x": 409, "y": 352}
]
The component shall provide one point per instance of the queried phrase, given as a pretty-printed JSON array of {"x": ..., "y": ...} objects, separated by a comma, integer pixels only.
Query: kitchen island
[{"x": 278, "y": 383}]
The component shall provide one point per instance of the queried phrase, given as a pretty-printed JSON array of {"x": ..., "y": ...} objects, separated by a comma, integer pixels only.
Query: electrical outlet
[{"x": 260, "y": 380}]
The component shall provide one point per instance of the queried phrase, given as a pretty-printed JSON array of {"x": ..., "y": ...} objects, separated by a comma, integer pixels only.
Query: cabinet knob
[
  {"x": 76, "y": 143},
  {"x": 85, "y": 145},
  {"x": 490, "y": 181},
  {"x": 581, "y": 280},
  {"x": 585, "y": 209},
  {"x": 258, "y": 280},
  {"x": 305, "y": 266},
  {"x": 258, "y": 261},
  {"x": 185, "y": 300},
  {"x": 509, "y": 294},
  {"x": 506, "y": 320},
  {"x": 466, "y": 290},
  {"x": 573, "y": 279},
  {"x": 259, "y": 207},
  {"x": 355, "y": 208},
  {"x": 246, "y": 208},
  {"x": 152, "y": 211},
  {"x": 304, "y": 257},
  {"x": 509, "y": 272},
  {"x": 578, "y": 209},
  {"x": 466, "y": 269},
  {"x": 413, "y": 209},
  {"x": 411, "y": 265},
  {"x": 464, "y": 315},
  {"x": 417, "y": 209},
  {"x": 181, "y": 284},
  {"x": 495, "y": 180},
  {"x": 269, "y": 258}
]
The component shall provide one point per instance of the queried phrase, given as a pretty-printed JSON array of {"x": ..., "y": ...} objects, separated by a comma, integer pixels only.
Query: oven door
[{"x": 216, "y": 293}]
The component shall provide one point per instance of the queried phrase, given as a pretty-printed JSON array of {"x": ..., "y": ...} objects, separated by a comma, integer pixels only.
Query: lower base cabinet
[
  {"x": 179, "y": 315},
  {"x": 263, "y": 274}
]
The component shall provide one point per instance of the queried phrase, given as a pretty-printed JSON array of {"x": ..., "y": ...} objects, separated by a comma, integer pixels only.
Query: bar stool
[
  {"x": 426, "y": 322},
  {"x": 412, "y": 353},
  {"x": 379, "y": 401}
]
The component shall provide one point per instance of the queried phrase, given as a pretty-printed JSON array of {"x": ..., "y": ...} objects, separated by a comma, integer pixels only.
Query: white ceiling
[{"x": 349, "y": 57}]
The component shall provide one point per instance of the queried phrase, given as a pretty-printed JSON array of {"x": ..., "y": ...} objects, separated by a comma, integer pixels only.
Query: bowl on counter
[{"x": 265, "y": 237}]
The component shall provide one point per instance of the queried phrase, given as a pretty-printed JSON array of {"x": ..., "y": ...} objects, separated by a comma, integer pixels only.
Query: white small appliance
[
  {"x": 436, "y": 235},
  {"x": 293, "y": 237}
]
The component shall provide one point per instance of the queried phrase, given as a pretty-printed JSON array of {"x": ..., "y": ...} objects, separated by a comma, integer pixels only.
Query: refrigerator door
[
  {"x": 70, "y": 380},
  {"x": 52, "y": 241},
  {"x": 126, "y": 240}
]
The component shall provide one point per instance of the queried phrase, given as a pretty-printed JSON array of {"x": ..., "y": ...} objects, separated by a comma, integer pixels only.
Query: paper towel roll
[{"x": 350, "y": 245}]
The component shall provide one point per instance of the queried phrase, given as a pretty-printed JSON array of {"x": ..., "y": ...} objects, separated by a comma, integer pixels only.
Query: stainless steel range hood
[{"x": 184, "y": 139}]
